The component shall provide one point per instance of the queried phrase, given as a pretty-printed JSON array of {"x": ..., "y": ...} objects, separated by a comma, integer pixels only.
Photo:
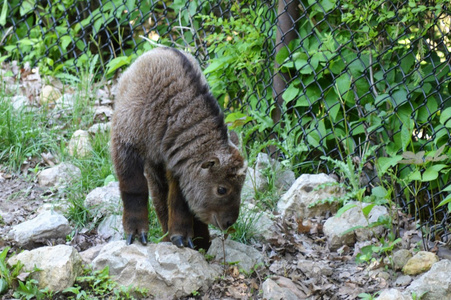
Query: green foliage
[
  {"x": 30, "y": 290},
  {"x": 27, "y": 289},
  {"x": 372, "y": 26},
  {"x": 21, "y": 134},
  {"x": 98, "y": 284},
  {"x": 367, "y": 253},
  {"x": 244, "y": 228},
  {"x": 8, "y": 275},
  {"x": 237, "y": 56}
]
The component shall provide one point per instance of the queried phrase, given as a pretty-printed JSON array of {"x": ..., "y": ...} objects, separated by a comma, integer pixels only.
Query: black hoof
[
  {"x": 143, "y": 238},
  {"x": 129, "y": 239},
  {"x": 177, "y": 240},
  {"x": 190, "y": 243}
]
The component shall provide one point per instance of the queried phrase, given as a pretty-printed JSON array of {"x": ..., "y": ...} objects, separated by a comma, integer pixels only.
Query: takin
[{"x": 169, "y": 138}]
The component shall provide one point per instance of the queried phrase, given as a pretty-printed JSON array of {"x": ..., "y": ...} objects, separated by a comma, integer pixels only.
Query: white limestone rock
[
  {"x": 306, "y": 191},
  {"x": 47, "y": 225},
  {"x": 59, "y": 266},
  {"x": 163, "y": 269}
]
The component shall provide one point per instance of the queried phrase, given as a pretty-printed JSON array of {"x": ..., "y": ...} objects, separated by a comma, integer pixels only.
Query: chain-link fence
[{"x": 348, "y": 80}]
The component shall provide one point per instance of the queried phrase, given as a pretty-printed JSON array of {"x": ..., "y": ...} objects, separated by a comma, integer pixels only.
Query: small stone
[
  {"x": 59, "y": 266},
  {"x": 99, "y": 128},
  {"x": 104, "y": 201},
  {"x": 245, "y": 256},
  {"x": 47, "y": 225},
  {"x": 304, "y": 192},
  {"x": 49, "y": 95},
  {"x": 19, "y": 102},
  {"x": 403, "y": 280},
  {"x": 335, "y": 227},
  {"x": 80, "y": 144},
  {"x": 400, "y": 258},
  {"x": 102, "y": 114},
  {"x": 111, "y": 228},
  {"x": 392, "y": 294},
  {"x": 60, "y": 175},
  {"x": 280, "y": 288},
  {"x": 66, "y": 101},
  {"x": 419, "y": 263}
]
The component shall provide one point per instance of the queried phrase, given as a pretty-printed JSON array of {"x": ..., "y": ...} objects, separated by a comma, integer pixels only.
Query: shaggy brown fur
[{"x": 169, "y": 136}]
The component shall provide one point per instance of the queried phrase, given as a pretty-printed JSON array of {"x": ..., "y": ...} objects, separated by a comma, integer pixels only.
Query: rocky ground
[{"x": 296, "y": 263}]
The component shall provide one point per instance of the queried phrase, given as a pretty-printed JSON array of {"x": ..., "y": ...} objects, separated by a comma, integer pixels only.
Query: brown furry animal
[{"x": 169, "y": 136}]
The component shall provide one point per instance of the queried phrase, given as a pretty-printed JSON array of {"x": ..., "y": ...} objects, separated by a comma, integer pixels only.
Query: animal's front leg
[{"x": 180, "y": 223}]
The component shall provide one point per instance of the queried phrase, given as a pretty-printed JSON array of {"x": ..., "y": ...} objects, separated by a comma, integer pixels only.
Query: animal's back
[{"x": 168, "y": 106}]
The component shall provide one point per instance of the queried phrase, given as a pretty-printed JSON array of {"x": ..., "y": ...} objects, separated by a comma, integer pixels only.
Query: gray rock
[
  {"x": 47, "y": 225},
  {"x": 65, "y": 101},
  {"x": 247, "y": 257},
  {"x": 103, "y": 201},
  {"x": 304, "y": 192},
  {"x": 257, "y": 181},
  {"x": 281, "y": 288},
  {"x": 334, "y": 227},
  {"x": 111, "y": 228},
  {"x": 80, "y": 144},
  {"x": 283, "y": 178},
  {"x": 102, "y": 114},
  {"x": 59, "y": 176},
  {"x": 53, "y": 207},
  {"x": 59, "y": 265},
  {"x": 392, "y": 294},
  {"x": 314, "y": 268},
  {"x": 403, "y": 280},
  {"x": 99, "y": 128},
  {"x": 19, "y": 102},
  {"x": 400, "y": 258},
  {"x": 90, "y": 254},
  {"x": 436, "y": 283},
  {"x": 163, "y": 269},
  {"x": 254, "y": 183}
]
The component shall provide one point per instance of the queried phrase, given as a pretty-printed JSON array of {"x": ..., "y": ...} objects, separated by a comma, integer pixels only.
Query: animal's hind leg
[
  {"x": 158, "y": 186},
  {"x": 134, "y": 191}
]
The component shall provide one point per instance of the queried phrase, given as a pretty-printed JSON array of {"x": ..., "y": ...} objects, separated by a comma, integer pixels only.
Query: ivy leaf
[
  {"x": 290, "y": 93},
  {"x": 379, "y": 192},
  {"x": 399, "y": 97},
  {"x": 383, "y": 163},
  {"x": 4, "y": 13},
  {"x": 118, "y": 62},
  {"x": 445, "y": 117}
]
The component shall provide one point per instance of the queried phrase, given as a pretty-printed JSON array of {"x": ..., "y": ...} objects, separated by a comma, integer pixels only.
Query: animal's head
[{"x": 214, "y": 196}]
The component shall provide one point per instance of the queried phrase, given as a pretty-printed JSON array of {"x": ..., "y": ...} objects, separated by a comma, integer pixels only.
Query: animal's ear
[
  {"x": 210, "y": 163},
  {"x": 234, "y": 138}
]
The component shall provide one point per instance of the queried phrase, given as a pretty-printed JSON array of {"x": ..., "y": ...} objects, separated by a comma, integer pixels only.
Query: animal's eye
[{"x": 222, "y": 190}]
